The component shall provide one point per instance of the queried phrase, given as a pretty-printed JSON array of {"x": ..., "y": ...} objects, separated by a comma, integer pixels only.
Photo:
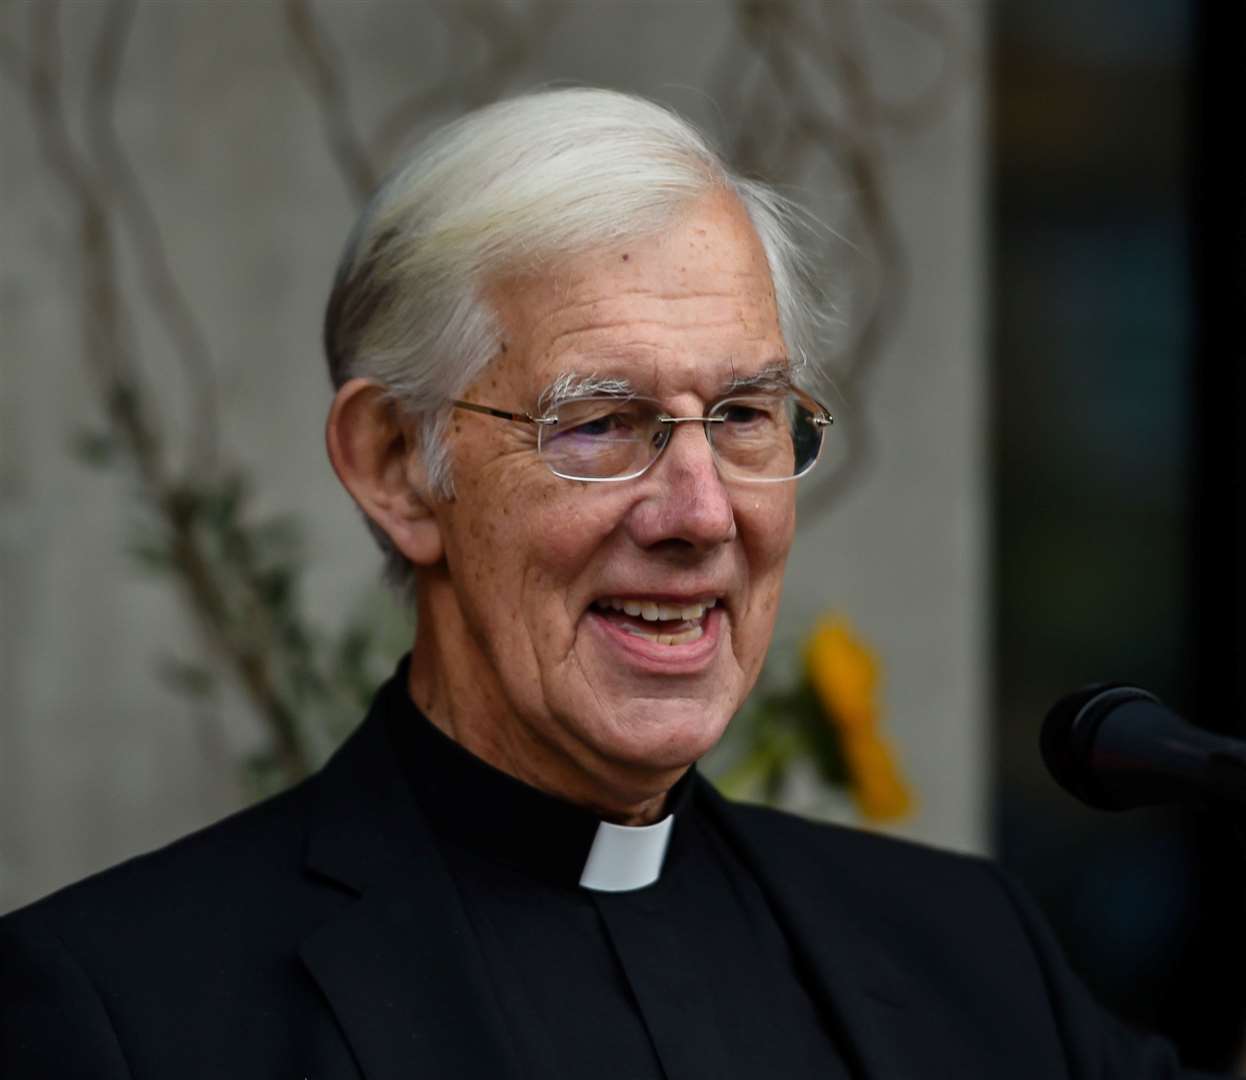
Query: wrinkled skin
[{"x": 510, "y": 658}]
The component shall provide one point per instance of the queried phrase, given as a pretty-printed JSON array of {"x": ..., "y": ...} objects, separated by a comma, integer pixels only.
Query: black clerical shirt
[{"x": 689, "y": 977}]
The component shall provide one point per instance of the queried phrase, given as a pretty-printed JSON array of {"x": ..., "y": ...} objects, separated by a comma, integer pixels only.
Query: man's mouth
[{"x": 660, "y": 621}]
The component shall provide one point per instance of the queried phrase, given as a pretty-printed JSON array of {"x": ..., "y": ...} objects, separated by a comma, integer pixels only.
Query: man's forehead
[
  {"x": 689, "y": 310},
  {"x": 708, "y": 267}
]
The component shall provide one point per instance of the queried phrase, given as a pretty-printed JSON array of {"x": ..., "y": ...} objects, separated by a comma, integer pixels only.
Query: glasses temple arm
[{"x": 524, "y": 418}]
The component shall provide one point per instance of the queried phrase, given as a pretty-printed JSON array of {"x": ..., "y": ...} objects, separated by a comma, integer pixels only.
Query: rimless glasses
[{"x": 761, "y": 438}]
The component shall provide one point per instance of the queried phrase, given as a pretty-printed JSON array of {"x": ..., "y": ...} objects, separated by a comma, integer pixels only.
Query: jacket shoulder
[
  {"x": 830, "y": 849},
  {"x": 248, "y": 851}
]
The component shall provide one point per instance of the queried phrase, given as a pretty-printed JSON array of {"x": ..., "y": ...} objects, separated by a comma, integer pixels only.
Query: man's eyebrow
[
  {"x": 572, "y": 384},
  {"x": 569, "y": 385},
  {"x": 773, "y": 378}
]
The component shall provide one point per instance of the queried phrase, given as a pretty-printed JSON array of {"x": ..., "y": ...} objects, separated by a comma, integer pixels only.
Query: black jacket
[{"x": 318, "y": 935}]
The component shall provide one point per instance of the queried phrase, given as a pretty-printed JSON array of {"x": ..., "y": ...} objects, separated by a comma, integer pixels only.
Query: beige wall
[{"x": 98, "y": 760}]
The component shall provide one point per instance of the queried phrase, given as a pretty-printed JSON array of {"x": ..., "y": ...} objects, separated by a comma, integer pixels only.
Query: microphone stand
[{"x": 1223, "y": 780}]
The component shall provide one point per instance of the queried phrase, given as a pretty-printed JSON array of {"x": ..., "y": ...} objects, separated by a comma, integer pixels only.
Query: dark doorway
[{"x": 1118, "y": 368}]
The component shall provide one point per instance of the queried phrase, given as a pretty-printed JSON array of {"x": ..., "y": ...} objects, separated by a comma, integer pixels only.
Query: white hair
[{"x": 504, "y": 190}]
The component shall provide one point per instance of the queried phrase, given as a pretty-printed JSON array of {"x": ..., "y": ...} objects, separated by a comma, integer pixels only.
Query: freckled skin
[{"x": 505, "y": 660}]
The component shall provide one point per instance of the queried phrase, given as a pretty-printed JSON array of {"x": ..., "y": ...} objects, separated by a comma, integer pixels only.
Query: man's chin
[{"x": 662, "y": 735}]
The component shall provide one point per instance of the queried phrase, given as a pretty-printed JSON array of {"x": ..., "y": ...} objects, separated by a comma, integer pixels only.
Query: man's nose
[{"x": 685, "y": 499}]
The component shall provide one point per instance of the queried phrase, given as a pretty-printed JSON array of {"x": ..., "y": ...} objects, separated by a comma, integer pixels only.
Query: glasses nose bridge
[{"x": 668, "y": 425}]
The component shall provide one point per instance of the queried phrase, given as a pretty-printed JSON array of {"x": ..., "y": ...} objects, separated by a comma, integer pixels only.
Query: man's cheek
[{"x": 565, "y": 539}]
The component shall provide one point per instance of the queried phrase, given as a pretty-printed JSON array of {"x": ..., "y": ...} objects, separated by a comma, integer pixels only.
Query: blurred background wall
[{"x": 1015, "y": 197}]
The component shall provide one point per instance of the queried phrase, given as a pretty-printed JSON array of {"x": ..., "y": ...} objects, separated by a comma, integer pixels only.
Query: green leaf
[
  {"x": 220, "y": 502},
  {"x": 95, "y": 448},
  {"x": 278, "y": 538},
  {"x": 151, "y": 554},
  {"x": 822, "y": 737},
  {"x": 276, "y": 586},
  {"x": 263, "y": 775},
  {"x": 192, "y": 680}
]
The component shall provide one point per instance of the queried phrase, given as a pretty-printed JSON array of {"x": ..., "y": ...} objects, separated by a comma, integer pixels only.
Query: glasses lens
[
  {"x": 604, "y": 438},
  {"x": 767, "y": 437}
]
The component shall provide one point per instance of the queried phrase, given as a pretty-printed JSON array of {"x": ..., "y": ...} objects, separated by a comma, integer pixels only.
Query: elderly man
[{"x": 572, "y": 359}]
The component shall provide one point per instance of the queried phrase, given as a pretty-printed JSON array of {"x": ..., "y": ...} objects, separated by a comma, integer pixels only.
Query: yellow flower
[
  {"x": 878, "y": 786},
  {"x": 844, "y": 673}
]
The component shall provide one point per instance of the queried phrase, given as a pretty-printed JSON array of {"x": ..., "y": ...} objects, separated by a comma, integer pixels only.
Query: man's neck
[{"x": 491, "y": 730}]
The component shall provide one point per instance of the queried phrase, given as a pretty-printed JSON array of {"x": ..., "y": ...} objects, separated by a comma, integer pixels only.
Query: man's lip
[
  {"x": 667, "y": 659},
  {"x": 703, "y": 596}
]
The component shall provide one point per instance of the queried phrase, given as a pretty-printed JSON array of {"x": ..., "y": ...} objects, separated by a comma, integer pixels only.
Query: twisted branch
[
  {"x": 105, "y": 341},
  {"x": 108, "y": 350},
  {"x": 317, "y": 60},
  {"x": 509, "y": 37},
  {"x": 168, "y": 302},
  {"x": 789, "y": 120}
]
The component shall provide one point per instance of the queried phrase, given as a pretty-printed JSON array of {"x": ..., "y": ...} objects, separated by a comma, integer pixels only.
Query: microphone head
[{"x": 1068, "y": 735}]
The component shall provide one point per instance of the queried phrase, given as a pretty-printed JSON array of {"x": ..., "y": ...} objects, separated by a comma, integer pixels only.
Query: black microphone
[{"x": 1117, "y": 747}]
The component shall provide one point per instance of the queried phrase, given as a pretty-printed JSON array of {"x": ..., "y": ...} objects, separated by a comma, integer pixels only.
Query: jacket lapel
[
  {"x": 403, "y": 974},
  {"x": 860, "y": 985},
  {"x": 399, "y": 966}
]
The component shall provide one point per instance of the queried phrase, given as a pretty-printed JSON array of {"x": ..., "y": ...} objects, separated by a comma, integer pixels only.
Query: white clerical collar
[
  {"x": 471, "y": 804},
  {"x": 625, "y": 857}
]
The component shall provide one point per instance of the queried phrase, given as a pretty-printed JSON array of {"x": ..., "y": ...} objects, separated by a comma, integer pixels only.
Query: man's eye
[
  {"x": 740, "y": 414},
  {"x": 598, "y": 427},
  {"x": 611, "y": 424}
]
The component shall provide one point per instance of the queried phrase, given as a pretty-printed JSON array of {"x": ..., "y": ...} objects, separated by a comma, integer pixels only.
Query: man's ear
[{"x": 376, "y": 459}]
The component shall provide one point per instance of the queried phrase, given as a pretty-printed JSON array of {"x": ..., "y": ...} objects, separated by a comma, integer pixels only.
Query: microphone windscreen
[{"x": 1068, "y": 736}]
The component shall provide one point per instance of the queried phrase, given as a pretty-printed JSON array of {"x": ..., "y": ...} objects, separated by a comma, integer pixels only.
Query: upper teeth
[{"x": 652, "y": 611}]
